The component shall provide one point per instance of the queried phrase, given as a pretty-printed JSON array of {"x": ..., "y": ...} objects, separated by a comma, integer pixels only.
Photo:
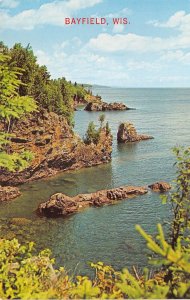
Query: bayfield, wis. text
[{"x": 95, "y": 21}]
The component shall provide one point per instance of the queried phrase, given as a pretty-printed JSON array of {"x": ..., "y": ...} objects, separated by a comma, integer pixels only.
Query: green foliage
[
  {"x": 23, "y": 276},
  {"x": 84, "y": 289},
  {"x": 4, "y": 139},
  {"x": 179, "y": 199},
  {"x": 12, "y": 107},
  {"x": 24, "y": 59},
  {"x": 92, "y": 134},
  {"x": 16, "y": 107},
  {"x": 55, "y": 95},
  {"x": 108, "y": 129},
  {"x": 173, "y": 258},
  {"x": 102, "y": 119},
  {"x": 15, "y": 161},
  {"x": 176, "y": 261}
]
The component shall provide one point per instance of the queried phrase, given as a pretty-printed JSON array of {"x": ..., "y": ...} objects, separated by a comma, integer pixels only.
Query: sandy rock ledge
[{"x": 8, "y": 193}]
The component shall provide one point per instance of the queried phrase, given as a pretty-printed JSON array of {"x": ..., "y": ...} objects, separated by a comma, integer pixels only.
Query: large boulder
[
  {"x": 93, "y": 106},
  {"x": 103, "y": 106},
  {"x": 160, "y": 186},
  {"x": 58, "y": 205},
  {"x": 8, "y": 193},
  {"x": 127, "y": 133},
  {"x": 61, "y": 204}
]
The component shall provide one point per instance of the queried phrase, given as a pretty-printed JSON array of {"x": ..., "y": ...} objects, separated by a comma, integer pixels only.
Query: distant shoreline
[{"x": 122, "y": 87}]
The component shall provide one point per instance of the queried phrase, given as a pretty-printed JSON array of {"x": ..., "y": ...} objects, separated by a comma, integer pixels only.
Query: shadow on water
[{"x": 130, "y": 149}]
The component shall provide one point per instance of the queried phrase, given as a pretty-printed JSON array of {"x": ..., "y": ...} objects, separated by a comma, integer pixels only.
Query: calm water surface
[{"x": 108, "y": 234}]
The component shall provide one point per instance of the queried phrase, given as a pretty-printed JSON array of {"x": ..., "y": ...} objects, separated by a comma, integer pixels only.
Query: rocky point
[
  {"x": 55, "y": 146},
  {"x": 103, "y": 106},
  {"x": 62, "y": 205}
]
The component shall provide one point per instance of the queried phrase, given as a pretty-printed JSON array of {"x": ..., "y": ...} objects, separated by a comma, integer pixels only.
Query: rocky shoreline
[
  {"x": 55, "y": 146},
  {"x": 62, "y": 205}
]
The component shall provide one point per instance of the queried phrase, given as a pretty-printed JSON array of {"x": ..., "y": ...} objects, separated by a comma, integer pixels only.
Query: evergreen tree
[
  {"x": 101, "y": 119},
  {"x": 12, "y": 107},
  {"x": 92, "y": 134}
]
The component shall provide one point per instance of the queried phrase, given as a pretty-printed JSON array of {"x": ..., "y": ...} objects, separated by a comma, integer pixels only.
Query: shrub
[{"x": 92, "y": 134}]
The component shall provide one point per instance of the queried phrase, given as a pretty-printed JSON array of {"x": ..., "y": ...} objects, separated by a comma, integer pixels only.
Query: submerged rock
[
  {"x": 127, "y": 133},
  {"x": 8, "y": 193},
  {"x": 103, "y": 106},
  {"x": 61, "y": 204},
  {"x": 20, "y": 221},
  {"x": 160, "y": 186}
]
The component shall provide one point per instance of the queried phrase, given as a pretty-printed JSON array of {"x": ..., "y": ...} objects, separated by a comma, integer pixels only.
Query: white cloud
[
  {"x": 43, "y": 58},
  {"x": 50, "y": 13},
  {"x": 8, "y": 3},
  {"x": 176, "y": 56},
  {"x": 81, "y": 4},
  {"x": 71, "y": 44},
  {"x": 118, "y": 28},
  {"x": 138, "y": 43},
  {"x": 176, "y": 80},
  {"x": 180, "y": 20},
  {"x": 134, "y": 65},
  {"x": 81, "y": 65},
  {"x": 122, "y": 42},
  {"x": 124, "y": 59},
  {"x": 85, "y": 65},
  {"x": 121, "y": 13}
]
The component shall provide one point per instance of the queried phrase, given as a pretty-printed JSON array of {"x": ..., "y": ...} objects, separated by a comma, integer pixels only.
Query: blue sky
[{"x": 153, "y": 51}]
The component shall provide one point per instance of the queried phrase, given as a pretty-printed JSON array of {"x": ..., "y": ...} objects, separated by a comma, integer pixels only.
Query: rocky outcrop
[
  {"x": 127, "y": 133},
  {"x": 84, "y": 101},
  {"x": 103, "y": 106},
  {"x": 79, "y": 102},
  {"x": 55, "y": 146},
  {"x": 160, "y": 186},
  {"x": 8, "y": 193},
  {"x": 62, "y": 205}
]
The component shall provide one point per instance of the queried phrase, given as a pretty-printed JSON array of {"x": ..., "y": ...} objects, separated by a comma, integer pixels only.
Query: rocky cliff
[{"x": 55, "y": 146}]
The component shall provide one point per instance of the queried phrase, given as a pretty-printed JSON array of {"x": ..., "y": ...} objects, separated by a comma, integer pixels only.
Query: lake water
[{"x": 108, "y": 234}]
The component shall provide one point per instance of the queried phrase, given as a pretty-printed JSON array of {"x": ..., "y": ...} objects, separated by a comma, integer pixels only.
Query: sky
[{"x": 152, "y": 51}]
